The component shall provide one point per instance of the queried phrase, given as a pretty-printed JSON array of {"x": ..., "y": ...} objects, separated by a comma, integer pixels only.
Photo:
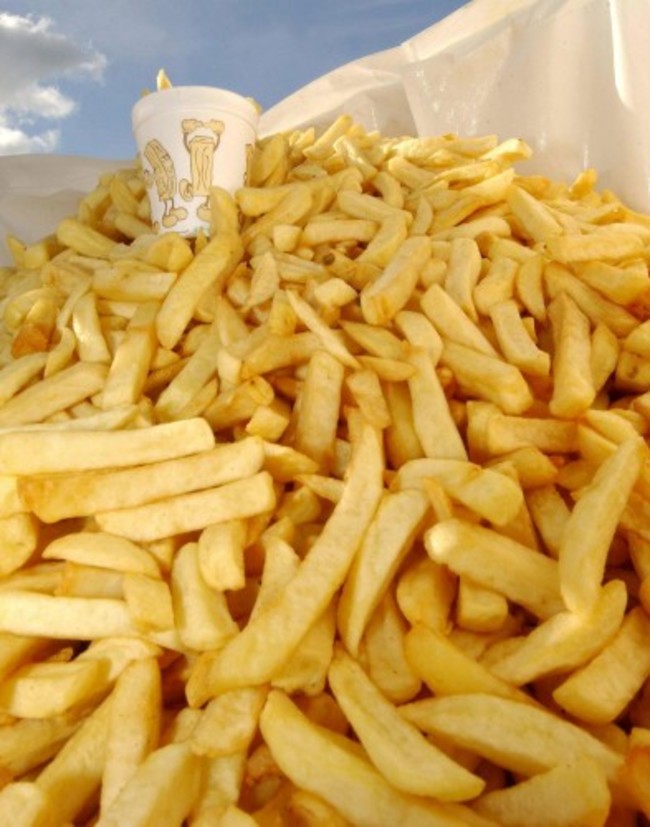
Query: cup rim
[{"x": 184, "y": 97}]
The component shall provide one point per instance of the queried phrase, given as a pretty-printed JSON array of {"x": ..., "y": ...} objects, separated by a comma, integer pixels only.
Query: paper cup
[{"x": 191, "y": 138}]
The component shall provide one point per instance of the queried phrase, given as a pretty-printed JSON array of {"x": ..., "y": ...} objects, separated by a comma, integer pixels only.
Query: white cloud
[{"x": 32, "y": 56}]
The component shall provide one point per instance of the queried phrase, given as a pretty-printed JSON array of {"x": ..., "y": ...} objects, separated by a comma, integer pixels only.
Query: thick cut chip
[
  {"x": 567, "y": 795},
  {"x": 592, "y": 524},
  {"x": 189, "y": 512},
  {"x": 385, "y": 297},
  {"x": 162, "y": 790},
  {"x": 573, "y": 387},
  {"x": 318, "y": 411},
  {"x": 210, "y": 267},
  {"x": 491, "y": 495},
  {"x": 447, "y": 670},
  {"x": 521, "y": 574},
  {"x": 602, "y": 689},
  {"x": 134, "y": 725},
  {"x": 487, "y": 377},
  {"x": 249, "y": 658},
  {"x": 432, "y": 420},
  {"x": 60, "y": 496},
  {"x": 387, "y": 542},
  {"x": 517, "y": 736},
  {"x": 54, "y": 394},
  {"x": 328, "y": 765},
  {"x": 398, "y": 750},
  {"x": 563, "y": 642},
  {"x": 44, "y": 452}
]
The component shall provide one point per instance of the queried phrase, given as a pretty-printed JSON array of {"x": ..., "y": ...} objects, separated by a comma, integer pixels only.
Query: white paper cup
[{"x": 189, "y": 139}]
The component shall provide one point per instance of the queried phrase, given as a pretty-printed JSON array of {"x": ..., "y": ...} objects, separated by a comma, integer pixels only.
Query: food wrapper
[{"x": 570, "y": 77}]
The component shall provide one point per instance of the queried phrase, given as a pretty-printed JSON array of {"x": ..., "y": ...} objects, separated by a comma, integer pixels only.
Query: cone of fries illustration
[{"x": 190, "y": 139}]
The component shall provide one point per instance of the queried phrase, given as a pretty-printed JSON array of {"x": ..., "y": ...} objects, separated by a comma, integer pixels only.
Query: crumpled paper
[{"x": 571, "y": 77}]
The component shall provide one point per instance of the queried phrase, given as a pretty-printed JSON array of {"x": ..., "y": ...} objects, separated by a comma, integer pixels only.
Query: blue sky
[{"x": 70, "y": 70}]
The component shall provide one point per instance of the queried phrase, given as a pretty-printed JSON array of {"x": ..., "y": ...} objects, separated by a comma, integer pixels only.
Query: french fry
[
  {"x": 627, "y": 647},
  {"x": 41, "y": 452},
  {"x": 55, "y": 393},
  {"x": 61, "y": 496},
  {"x": 507, "y": 727},
  {"x": 208, "y": 269},
  {"x": 319, "y": 576},
  {"x": 387, "y": 542},
  {"x": 383, "y": 655},
  {"x": 473, "y": 550},
  {"x": 345, "y": 779},
  {"x": 164, "y": 787},
  {"x": 574, "y": 793},
  {"x": 188, "y": 512},
  {"x": 395, "y": 747},
  {"x": 590, "y": 528}
]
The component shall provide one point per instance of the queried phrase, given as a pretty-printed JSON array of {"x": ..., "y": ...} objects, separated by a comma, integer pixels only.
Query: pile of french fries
[{"x": 338, "y": 515}]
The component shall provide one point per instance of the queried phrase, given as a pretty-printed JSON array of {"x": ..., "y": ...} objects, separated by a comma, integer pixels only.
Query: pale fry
[
  {"x": 393, "y": 745},
  {"x": 498, "y": 563},
  {"x": 318, "y": 577},
  {"x": 53, "y": 394},
  {"x": 321, "y": 762},
  {"x": 517, "y": 736},
  {"x": 134, "y": 725},
  {"x": 591, "y": 526},
  {"x": 188, "y": 512},
  {"x": 42, "y": 452},
  {"x": 60, "y": 496},
  {"x": 387, "y": 541},
  {"x": 163, "y": 788}
]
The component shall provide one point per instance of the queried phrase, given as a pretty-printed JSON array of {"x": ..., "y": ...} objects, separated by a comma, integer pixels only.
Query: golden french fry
[
  {"x": 318, "y": 413},
  {"x": 188, "y": 512},
  {"x": 498, "y": 563},
  {"x": 563, "y": 642},
  {"x": 42, "y": 452},
  {"x": 74, "y": 775},
  {"x": 491, "y": 495},
  {"x": 432, "y": 420},
  {"x": 134, "y": 725},
  {"x": 98, "y": 549},
  {"x": 55, "y": 393},
  {"x": 504, "y": 731},
  {"x": 385, "y": 297},
  {"x": 344, "y": 778},
  {"x": 201, "y": 615},
  {"x": 60, "y": 496},
  {"x": 42, "y": 690},
  {"x": 208, "y": 269},
  {"x": 41, "y": 615},
  {"x": 319, "y": 576},
  {"x": 571, "y": 793},
  {"x": 163, "y": 788},
  {"x": 448, "y": 670},
  {"x": 382, "y": 653},
  {"x": 396, "y": 748},
  {"x": 591, "y": 526},
  {"x": 625, "y": 659},
  {"x": 387, "y": 542}
]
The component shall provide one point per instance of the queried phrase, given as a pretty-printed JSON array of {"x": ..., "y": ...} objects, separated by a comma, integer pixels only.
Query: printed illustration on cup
[
  {"x": 201, "y": 140},
  {"x": 162, "y": 176}
]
